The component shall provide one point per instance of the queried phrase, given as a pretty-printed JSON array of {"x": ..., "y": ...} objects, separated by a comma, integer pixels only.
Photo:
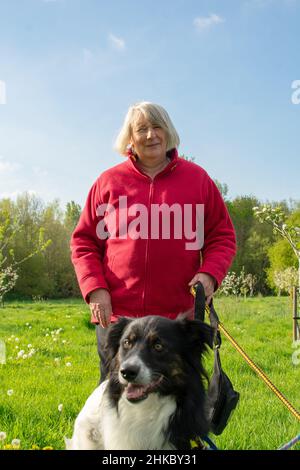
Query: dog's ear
[
  {"x": 114, "y": 334},
  {"x": 198, "y": 332}
]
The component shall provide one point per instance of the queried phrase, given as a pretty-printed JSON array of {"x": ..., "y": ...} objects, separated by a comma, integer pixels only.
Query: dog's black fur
[{"x": 178, "y": 361}]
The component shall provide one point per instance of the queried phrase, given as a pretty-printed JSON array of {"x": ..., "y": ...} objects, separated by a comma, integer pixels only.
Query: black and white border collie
[{"x": 154, "y": 398}]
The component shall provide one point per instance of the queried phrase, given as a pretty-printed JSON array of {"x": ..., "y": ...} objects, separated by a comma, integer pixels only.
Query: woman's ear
[{"x": 113, "y": 337}]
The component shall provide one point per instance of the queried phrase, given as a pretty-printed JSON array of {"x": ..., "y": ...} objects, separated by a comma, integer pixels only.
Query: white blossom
[{"x": 16, "y": 443}]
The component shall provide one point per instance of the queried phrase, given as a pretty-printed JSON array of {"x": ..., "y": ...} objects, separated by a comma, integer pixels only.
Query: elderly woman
[{"x": 132, "y": 248}]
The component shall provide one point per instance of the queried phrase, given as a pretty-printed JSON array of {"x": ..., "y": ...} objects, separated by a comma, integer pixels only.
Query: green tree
[
  {"x": 11, "y": 259},
  {"x": 72, "y": 214}
]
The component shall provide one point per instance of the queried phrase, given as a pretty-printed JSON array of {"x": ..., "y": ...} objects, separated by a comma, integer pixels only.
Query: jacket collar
[{"x": 171, "y": 154}]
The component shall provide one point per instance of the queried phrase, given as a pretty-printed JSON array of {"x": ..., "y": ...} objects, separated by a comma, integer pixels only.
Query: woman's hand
[
  {"x": 208, "y": 283},
  {"x": 100, "y": 306}
]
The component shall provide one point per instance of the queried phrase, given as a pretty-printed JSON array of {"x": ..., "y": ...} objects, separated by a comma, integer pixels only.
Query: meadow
[{"x": 52, "y": 367}]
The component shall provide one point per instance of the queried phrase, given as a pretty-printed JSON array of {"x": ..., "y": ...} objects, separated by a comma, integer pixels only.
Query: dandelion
[
  {"x": 35, "y": 447},
  {"x": 60, "y": 407},
  {"x": 31, "y": 352},
  {"x": 48, "y": 448},
  {"x": 10, "y": 392},
  {"x": 7, "y": 447},
  {"x": 2, "y": 436},
  {"x": 68, "y": 364},
  {"x": 16, "y": 443}
]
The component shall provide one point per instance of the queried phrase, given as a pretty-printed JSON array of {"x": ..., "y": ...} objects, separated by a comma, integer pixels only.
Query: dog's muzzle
[{"x": 137, "y": 381}]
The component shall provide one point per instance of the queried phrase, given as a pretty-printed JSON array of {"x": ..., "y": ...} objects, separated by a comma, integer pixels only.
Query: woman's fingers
[
  {"x": 207, "y": 282},
  {"x": 101, "y": 313}
]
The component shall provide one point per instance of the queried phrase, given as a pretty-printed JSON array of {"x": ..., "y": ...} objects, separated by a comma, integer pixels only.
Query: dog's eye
[
  {"x": 158, "y": 347},
  {"x": 126, "y": 344}
]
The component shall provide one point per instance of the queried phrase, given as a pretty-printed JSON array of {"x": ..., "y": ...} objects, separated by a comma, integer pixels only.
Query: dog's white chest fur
[
  {"x": 138, "y": 425},
  {"x": 130, "y": 426}
]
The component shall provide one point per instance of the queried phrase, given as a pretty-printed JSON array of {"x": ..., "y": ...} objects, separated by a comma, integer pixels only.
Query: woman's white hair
[{"x": 156, "y": 115}]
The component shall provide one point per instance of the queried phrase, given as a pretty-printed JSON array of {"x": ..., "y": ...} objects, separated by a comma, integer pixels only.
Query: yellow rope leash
[{"x": 257, "y": 369}]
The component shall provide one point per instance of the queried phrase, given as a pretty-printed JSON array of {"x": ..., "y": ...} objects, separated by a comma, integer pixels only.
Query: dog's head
[{"x": 155, "y": 354}]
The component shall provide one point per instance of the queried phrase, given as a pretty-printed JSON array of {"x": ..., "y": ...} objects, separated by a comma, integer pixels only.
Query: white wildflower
[
  {"x": 10, "y": 392},
  {"x": 29, "y": 346},
  {"x": 16, "y": 443},
  {"x": 21, "y": 353},
  {"x": 68, "y": 364},
  {"x": 2, "y": 436},
  {"x": 24, "y": 356},
  {"x": 17, "y": 340},
  {"x": 60, "y": 407}
]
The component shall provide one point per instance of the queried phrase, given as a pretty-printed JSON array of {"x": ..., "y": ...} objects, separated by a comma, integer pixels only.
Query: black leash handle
[
  {"x": 199, "y": 311},
  {"x": 199, "y": 302}
]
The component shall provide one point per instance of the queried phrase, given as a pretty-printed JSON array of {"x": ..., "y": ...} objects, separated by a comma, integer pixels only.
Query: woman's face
[{"x": 148, "y": 140}]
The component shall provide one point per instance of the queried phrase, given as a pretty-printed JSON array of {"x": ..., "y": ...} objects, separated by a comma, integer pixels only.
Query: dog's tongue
[{"x": 134, "y": 392}]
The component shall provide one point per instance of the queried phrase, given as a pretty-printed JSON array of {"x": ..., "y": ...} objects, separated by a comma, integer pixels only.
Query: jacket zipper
[{"x": 147, "y": 246}]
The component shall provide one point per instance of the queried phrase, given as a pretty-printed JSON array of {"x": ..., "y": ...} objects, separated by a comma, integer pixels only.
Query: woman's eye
[{"x": 158, "y": 347}]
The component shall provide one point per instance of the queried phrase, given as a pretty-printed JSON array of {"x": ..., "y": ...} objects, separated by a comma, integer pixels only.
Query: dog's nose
[{"x": 130, "y": 372}]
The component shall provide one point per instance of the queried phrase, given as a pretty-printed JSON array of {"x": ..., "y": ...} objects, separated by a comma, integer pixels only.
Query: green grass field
[{"x": 62, "y": 369}]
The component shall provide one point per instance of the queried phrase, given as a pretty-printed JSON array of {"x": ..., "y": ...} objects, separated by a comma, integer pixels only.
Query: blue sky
[{"x": 224, "y": 70}]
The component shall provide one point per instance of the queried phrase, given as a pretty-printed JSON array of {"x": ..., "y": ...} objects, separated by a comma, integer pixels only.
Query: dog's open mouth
[{"x": 138, "y": 392}]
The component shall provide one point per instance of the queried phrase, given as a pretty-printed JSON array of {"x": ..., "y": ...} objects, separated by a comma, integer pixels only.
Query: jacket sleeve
[
  {"x": 219, "y": 246},
  {"x": 87, "y": 249}
]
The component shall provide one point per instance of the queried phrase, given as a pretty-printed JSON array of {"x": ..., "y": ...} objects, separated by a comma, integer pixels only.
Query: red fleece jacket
[{"x": 149, "y": 275}]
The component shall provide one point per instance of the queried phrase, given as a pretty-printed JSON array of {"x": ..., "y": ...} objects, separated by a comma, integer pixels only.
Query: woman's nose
[{"x": 150, "y": 132}]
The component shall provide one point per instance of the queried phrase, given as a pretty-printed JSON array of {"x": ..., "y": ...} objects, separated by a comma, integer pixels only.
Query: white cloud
[
  {"x": 8, "y": 167},
  {"x": 16, "y": 193},
  {"x": 117, "y": 43},
  {"x": 2, "y": 92},
  {"x": 203, "y": 23}
]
